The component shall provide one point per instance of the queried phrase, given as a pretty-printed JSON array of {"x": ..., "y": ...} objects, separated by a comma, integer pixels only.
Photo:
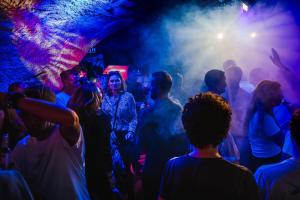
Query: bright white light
[
  {"x": 220, "y": 36},
  {"x": 253, "y": 35},
  {"x": 245, "y": 7}
]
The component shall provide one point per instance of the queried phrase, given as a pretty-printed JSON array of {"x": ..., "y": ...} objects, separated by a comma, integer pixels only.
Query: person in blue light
[
  {"x": 282, "y": 180},
  {"x": 265, "y": 134}
]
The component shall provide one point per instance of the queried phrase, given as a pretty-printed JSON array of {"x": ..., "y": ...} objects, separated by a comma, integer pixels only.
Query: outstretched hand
[{"x": 276, "y": 59}]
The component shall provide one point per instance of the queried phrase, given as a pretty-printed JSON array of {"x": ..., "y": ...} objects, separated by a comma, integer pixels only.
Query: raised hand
[{"x": 276, "y": 60}]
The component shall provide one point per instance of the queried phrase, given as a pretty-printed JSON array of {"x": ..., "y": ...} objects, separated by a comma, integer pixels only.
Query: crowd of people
[{"x": 150, "y": 141}]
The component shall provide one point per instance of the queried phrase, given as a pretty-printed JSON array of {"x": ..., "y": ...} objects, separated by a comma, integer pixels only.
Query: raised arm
[
  {"x": 66, "y": 118},
  {"x": 277, "y": 61}
]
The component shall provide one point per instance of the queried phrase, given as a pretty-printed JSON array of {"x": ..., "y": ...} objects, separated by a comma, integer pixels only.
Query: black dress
[{"x": 96, "y": 128}]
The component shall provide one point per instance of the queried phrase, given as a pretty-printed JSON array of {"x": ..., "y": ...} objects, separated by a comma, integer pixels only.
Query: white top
[
  {"x": 62, "y": 99},
  {"x": 52, "y": 168},
  {"x": 260, "y": 128}
]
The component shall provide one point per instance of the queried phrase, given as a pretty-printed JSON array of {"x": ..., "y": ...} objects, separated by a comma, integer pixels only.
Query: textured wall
[{"x": 39, "y": 39}]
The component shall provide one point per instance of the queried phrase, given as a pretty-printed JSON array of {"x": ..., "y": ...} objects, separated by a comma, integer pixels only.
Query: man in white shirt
[
  {"x": 70, "y": 81},
  {"x": 51, "y": 157}
]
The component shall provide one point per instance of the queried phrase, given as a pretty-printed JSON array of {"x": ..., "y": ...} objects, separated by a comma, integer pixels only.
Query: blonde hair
[{"x": 86, "y": 99}]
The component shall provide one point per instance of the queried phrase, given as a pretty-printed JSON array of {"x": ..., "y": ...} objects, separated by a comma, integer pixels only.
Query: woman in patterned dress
[{"x": 121, "y": 107}]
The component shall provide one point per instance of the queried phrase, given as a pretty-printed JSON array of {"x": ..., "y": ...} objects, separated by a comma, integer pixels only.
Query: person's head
[
  {"x": 229, "y": 63},
  {"x": 161, "y": 84},
  {"x": 87, "y": 97},
  {"x": 115, "y": 83},
  {"x": 233, "y": 75},
  {"x": 215, "y": 81},
  {"x": 267, "y": 94},
  {"x": 81, "y": 70},
  {"x": 70, "y": 80},
  {"x": 17, "y": 87},
  {"x": 257, "y": 75},
  {"x": 33, "y": 124},
  {"x": 206, "y": 119}
]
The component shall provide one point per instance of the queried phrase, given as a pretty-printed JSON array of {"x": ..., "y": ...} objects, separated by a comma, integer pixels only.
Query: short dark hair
[
  {"x": 236, "y": 71},
  {"x": 212, "y": 77},
  {"x": 206, "y": 119},
  {"x": 39, "y": 91},
  {"x": 295, "y": 126},
  {"x": 15, "y": 85},
  {"x": 163, "y": 80},
  {"x": 63, "y": 75}
]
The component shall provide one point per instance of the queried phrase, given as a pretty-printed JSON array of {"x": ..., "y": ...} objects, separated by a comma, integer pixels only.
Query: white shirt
[
  {"x": 52, "y": 168},
  {"x": 62, "y": 99},
  {"x": 259, "y": 130}
]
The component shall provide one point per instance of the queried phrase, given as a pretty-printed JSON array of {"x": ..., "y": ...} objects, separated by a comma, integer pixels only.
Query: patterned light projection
[{"x": 39, "y": 39}]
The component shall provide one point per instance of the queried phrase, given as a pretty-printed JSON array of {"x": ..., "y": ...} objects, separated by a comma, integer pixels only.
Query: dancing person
[
  {"x": 51, "y": 157},
  {"x": 120, "y": 106},
  {"x": 203, "y": 173},
  {"x": 289, "y": 80},
  {"x": 265, "y": 135},
  {"x": 96, "y": 130},
  {"x": 281, "y": 180},
  {"x": 161, "y": 135}
]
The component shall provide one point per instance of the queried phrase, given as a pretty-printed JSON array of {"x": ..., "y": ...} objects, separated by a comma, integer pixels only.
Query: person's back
[
  {"x": 281, "y": 180},
  {"x": 203, "y": 173},
  {"x": 160, "y": 134},
  {"x": 98, "y": 157},
  {"x": 53, "y": 169},
  {"x": 187, "y": 177},
  {"x": 96, "y": 130},
  {"x": 287, "y": 187},
  {"x": 269, "y": 175}
]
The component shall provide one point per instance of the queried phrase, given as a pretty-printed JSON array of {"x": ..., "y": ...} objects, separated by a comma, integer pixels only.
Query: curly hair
[
  {"x": 295, "y": 126},
  {"x": 206, "y": 119}
]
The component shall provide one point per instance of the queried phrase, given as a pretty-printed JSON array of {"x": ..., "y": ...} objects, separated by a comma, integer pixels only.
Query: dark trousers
[{"x": 257, "y": 162}]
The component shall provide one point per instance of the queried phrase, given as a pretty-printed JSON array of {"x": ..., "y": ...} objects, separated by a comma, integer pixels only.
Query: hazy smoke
[{"x": 197, "y": 40}]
